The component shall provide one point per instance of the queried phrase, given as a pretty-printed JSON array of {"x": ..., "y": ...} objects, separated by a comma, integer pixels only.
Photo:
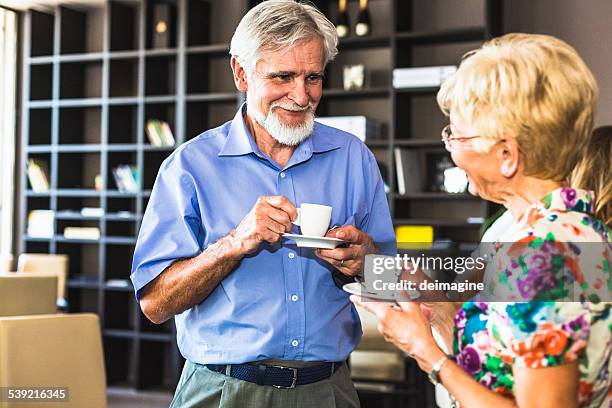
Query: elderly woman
[{"x": 521, "y": 112}]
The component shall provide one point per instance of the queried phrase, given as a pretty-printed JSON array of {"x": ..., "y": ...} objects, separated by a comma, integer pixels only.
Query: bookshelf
[{"x": 92, "y": 79}]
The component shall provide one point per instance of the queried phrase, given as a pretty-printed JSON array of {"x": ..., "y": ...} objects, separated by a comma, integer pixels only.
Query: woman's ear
[
  {"x": 240, "y": 78},
  {"x": 510, "y": 157}
]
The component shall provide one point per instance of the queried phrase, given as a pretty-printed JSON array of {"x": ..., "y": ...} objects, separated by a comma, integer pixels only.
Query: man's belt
[{"x": 276, "y": 375}]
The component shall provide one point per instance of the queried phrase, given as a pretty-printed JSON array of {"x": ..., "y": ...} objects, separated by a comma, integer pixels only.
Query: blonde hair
[
  {"x": 276, "y": 25},
  {"x": 594, "y": 170},
  {"x": 532, "y": 87}
]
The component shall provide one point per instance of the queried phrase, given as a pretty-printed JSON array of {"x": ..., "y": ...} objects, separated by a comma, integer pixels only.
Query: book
[
  {"x": 159, "y": 133},
  {"x": 118, "y": 283},
  {"x": 360, "y": 126},
  {"x": 38, "y": 175},
  {"x": 92, "y": 212},
  {"x": 414, "y": 236},
  {"x": 127, "y": 178},
  {"x": 408, "y": 170},
  {"x": 92, "y": 233},
  {"x": 167, "y": 136},
  {"x": 41, "y": 224},
  {"x": 421, "y": 77}
]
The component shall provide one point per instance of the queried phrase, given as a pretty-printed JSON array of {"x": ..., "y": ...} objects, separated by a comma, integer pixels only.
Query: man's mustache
[{"x": 294, "y": 107}]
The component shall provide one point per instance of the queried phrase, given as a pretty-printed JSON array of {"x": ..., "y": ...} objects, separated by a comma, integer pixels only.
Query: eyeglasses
[{"x": 448, "y": 137}]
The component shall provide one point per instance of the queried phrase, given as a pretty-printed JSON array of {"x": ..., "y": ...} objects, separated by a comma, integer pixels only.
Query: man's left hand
[{"x": 349, "y": 260}]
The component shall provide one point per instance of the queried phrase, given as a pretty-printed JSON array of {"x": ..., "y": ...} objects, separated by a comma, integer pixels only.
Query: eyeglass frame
[{"x": 447, "y": 135}]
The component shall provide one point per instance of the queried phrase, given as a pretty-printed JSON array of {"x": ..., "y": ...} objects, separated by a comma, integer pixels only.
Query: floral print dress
[{"x": 553, "y": 275}]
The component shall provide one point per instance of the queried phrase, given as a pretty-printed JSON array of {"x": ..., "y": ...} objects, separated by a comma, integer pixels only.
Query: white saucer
[
  {"x": 306, "y": 241},
  {"x": 357, "y": 288}
]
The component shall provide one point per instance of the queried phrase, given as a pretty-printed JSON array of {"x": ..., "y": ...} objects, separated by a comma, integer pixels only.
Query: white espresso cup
[{"x": 313, "y": 219}]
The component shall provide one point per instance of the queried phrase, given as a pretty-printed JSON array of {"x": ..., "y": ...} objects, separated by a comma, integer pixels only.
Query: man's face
[{"x": 285, "y": 89}]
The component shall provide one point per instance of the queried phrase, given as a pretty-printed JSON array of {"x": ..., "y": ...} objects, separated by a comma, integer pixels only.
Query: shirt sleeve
[
  {"x": 546, "y": 334},
  {"x": 171, "y": 228}
]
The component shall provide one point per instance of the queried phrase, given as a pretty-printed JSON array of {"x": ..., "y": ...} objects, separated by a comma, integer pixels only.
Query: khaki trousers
[{"x": 200, "y": 387}]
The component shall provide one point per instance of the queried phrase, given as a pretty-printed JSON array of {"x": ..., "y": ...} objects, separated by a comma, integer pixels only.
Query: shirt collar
[{"x": 240, "y": 141}]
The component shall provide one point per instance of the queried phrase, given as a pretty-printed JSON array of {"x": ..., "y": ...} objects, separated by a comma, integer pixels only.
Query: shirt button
[
  {"x": 295, "y": 343},
  {"x": 282, "y": 174},
  {"x": 294, "y": 298},
  {"x": 291, "y": 255}
]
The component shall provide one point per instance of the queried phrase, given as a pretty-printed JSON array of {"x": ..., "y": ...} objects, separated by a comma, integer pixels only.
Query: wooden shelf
[
  {"x": 213, "y": 97},
  {"x": 124, "y": 54},
  {"x": 124, "y": 101},
  {"x": 41, "y": 60},
  {"x": 208, "y": 49},
  {"x": 163, "y": 337},
  {"x": 377, "y": 143},
  {"x": 73, "y": 215},
  {"x": 435, "y": 222},
  {"x": 122, "y": 334},
  {"x": 92, "y": 56},
  {"x": 419, "y": 143},
  {"x": 435, "y": 196},
  {"x": 161, "y": 52},
  {"x": 363, "y": 42},
  {"x": 418, "y": 91},
  {"x": 465, "y": 34},
  {"x": 370, "y": 93}
]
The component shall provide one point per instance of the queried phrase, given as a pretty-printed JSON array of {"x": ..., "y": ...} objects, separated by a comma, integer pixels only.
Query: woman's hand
[
  {"x": 407, "y": 328},
  {"x": 441, "y": 317}
]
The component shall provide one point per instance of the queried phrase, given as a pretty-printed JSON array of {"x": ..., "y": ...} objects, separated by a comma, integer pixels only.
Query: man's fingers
[
  {"x": 339, "y": 254},
  {"x": 274, "y": 226},
  {"x": 282, "y": 203},
  {"x": 270, "y": 236},
  {"x": 347, "y": 233},
  {"x": 280, "y": 217}
]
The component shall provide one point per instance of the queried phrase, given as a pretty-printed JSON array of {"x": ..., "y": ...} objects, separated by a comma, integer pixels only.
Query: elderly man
[{"x": 260, "y": 321}]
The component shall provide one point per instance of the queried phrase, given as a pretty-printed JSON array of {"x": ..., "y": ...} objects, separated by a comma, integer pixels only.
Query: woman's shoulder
[{"x": 564, "y": 215}]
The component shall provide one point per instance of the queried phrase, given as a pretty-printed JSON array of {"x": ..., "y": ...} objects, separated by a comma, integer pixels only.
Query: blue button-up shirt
[{"x": 280, "y": 302}]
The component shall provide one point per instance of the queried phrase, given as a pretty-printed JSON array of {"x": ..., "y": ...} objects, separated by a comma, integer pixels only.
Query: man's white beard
[{"x": 282, "y": 133}]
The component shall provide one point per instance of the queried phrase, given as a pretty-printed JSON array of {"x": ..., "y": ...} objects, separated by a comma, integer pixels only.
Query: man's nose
[{"x": 299, "y": 93}]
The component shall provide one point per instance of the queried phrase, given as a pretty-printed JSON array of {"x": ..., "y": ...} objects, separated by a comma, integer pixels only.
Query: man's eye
[
  {"x": 285, "y": 77},
  {"x": 314, "y": 78}
]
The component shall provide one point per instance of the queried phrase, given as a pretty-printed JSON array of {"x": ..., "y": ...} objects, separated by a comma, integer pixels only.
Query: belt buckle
[{"x": 293, "y": 382}]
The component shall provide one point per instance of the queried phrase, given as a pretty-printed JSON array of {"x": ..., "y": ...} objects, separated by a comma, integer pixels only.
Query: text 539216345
[{"x": 34, "y": 394}]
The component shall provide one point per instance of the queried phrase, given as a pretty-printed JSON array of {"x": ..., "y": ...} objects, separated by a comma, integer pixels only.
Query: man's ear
[
  {"x": 240, "y": 78},
  {"x": 510, "y": 156}
]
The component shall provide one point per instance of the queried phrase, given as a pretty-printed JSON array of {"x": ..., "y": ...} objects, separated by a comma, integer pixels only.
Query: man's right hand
[{"x": 269, "y": 218}]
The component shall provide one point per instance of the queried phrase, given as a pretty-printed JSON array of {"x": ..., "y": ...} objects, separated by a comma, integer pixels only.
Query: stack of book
[
  {"x": 159, "y": 133},
  {"x": 41, "y": 224},
  {"x": 38, "y": 175},
  {"x": 92, "y": 233},
  {"x": 360, "y": 126},
  {"x": 127, "y": 178},
  {"x": 422, "y": 77},
  {"x": 92, "y": 212},
  {"x": 408, "y": 168}
]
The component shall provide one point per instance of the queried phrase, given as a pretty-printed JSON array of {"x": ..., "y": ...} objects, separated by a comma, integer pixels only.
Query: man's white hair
[{"x": 276, "y": 25}]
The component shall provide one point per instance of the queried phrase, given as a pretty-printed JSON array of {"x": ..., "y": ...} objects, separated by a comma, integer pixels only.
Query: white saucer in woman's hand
[{"x": 359, "y": 289}]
